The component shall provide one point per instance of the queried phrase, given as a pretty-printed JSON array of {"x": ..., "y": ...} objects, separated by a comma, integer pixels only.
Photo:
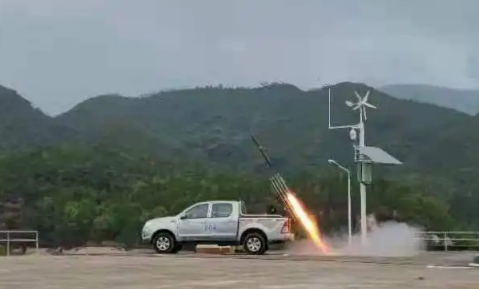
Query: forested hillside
[
  {"x": 73, "y": 194},
  {"x": 214, "y": 124},
  {"x": 99, "y": 170},
  {"x": 23, "y": 127}
]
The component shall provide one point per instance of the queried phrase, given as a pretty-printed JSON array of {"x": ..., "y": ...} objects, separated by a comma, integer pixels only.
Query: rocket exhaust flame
[
  {"x": 297, "y": 210},
  {"x": 293, "y": 204}
]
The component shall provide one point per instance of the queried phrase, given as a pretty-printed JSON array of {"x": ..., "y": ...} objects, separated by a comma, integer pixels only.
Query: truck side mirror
[{"x": 182, "y": 217}]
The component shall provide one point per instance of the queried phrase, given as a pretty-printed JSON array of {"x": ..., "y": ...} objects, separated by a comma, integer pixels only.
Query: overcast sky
[{"x": 59, "y": 52}]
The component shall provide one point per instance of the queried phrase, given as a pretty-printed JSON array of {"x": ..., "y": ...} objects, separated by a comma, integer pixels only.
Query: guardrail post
[
  {"x": 37, "y": 249},
  {"x": 445, "y": 241},
  {"x": 8, "y": 243}
]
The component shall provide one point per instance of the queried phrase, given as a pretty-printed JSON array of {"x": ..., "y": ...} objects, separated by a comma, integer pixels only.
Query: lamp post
[{"x": 348, "y": 172}]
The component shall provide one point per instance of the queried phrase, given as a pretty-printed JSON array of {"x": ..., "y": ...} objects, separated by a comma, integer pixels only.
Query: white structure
[
  {"x": 364, "y": 156},
  {"x": 348, "y": 172},
  {"x": 13, "y": 237}
]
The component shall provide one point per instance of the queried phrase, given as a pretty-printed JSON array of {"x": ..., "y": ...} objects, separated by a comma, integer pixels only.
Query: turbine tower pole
[{"x": 362, "y": 186}]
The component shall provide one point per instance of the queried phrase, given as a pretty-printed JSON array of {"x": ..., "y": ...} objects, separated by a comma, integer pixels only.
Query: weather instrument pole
[
  {"x": 361, "y": 106},
  {"x": 362, "y": 143},
  {"x": 364, "y": 156}
]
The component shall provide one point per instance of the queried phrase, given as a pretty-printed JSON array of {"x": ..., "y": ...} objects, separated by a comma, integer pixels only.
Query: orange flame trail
[{"x": 307, "y": 222}]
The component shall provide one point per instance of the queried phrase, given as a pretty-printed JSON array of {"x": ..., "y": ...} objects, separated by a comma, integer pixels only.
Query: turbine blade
[
  {"x": 357, "y": 96},
  {"x": 356, "y": 107},
  {"x": 349, "y": 103},
  {"x": 370, "y": 105},
  {"x": 364, "y": 113},
  {"x": 365, "y": 99}
]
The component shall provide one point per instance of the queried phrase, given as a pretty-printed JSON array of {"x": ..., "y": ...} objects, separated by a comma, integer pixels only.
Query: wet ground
[{"x": 196, "y": 271}]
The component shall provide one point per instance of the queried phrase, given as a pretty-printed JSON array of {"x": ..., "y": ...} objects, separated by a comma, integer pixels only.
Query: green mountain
[
  {"x": 113, "y": 156},
  {"x": 214, "y": 124},
  {"x": 22, "y": 126},
  {"x": 459, "y": 99}
]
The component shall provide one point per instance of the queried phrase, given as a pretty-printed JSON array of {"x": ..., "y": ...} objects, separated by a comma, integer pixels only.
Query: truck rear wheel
[
  {"x": 255, "y": 244},
  {"x": 164, "y": 243}
]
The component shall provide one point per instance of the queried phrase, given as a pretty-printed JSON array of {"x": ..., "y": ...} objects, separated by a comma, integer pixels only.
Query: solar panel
[{"x": 378, "y": 156}]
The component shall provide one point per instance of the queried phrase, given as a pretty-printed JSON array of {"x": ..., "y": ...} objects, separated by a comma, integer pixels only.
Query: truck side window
[
  {"x": 197, "y": 212},
  {"x": 223, "y": 210}
]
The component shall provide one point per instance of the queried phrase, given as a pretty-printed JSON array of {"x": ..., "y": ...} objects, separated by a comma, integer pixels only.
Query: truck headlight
[
  {"x": 146, "y": 231},
  {"x": 147, "y": 227},
  {"x": 147, "y": 224}
]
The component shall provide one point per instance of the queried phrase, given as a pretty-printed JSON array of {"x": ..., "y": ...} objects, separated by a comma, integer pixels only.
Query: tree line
[{"x": 73, "y": 195}]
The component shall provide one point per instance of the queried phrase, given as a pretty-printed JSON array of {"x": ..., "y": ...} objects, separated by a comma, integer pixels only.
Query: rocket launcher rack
[{"x": 278, "y": 185}]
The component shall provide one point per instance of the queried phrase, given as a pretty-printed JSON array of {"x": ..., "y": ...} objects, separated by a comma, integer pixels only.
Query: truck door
[
  {"x": 191, "y": 225},
  {"x": 223, "y": 222}
]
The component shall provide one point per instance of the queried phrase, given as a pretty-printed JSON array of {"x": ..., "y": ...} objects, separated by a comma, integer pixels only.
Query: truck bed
[{"x": 247, "y": 216}]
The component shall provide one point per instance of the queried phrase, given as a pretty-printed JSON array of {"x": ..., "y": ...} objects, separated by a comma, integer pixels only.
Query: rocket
[{"x": 278, "y": 185}]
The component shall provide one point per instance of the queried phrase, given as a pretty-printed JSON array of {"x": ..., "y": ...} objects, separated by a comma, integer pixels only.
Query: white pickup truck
[{"x": 222, "y": 223}]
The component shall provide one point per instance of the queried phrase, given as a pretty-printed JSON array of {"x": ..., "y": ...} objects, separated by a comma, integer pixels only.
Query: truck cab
[{"x": 223, "y": 223}]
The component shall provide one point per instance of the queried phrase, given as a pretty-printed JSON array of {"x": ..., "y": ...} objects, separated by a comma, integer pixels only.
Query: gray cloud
[{"x": 59, "y": 52}]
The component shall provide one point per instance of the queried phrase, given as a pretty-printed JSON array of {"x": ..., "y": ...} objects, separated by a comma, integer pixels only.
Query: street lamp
[{"x": 348, "y": 172}]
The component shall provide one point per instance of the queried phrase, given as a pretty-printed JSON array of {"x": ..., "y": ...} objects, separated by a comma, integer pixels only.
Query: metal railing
[
  {"x": 14, "y": 237},
  {"x": 451, "y": 240}
]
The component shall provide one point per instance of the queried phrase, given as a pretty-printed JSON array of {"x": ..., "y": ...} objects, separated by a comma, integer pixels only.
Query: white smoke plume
[{"x": 389, "y": 239}]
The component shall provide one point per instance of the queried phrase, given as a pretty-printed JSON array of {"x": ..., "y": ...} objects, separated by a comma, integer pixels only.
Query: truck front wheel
[
  {"x": 255, "y": 244},
  {"x": 164, "y": 243}
]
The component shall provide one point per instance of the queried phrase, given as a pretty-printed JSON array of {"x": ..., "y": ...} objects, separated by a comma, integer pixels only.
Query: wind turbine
[
  {"x": 361, "y": 104},
  {"x": 364, "y": 156}
]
